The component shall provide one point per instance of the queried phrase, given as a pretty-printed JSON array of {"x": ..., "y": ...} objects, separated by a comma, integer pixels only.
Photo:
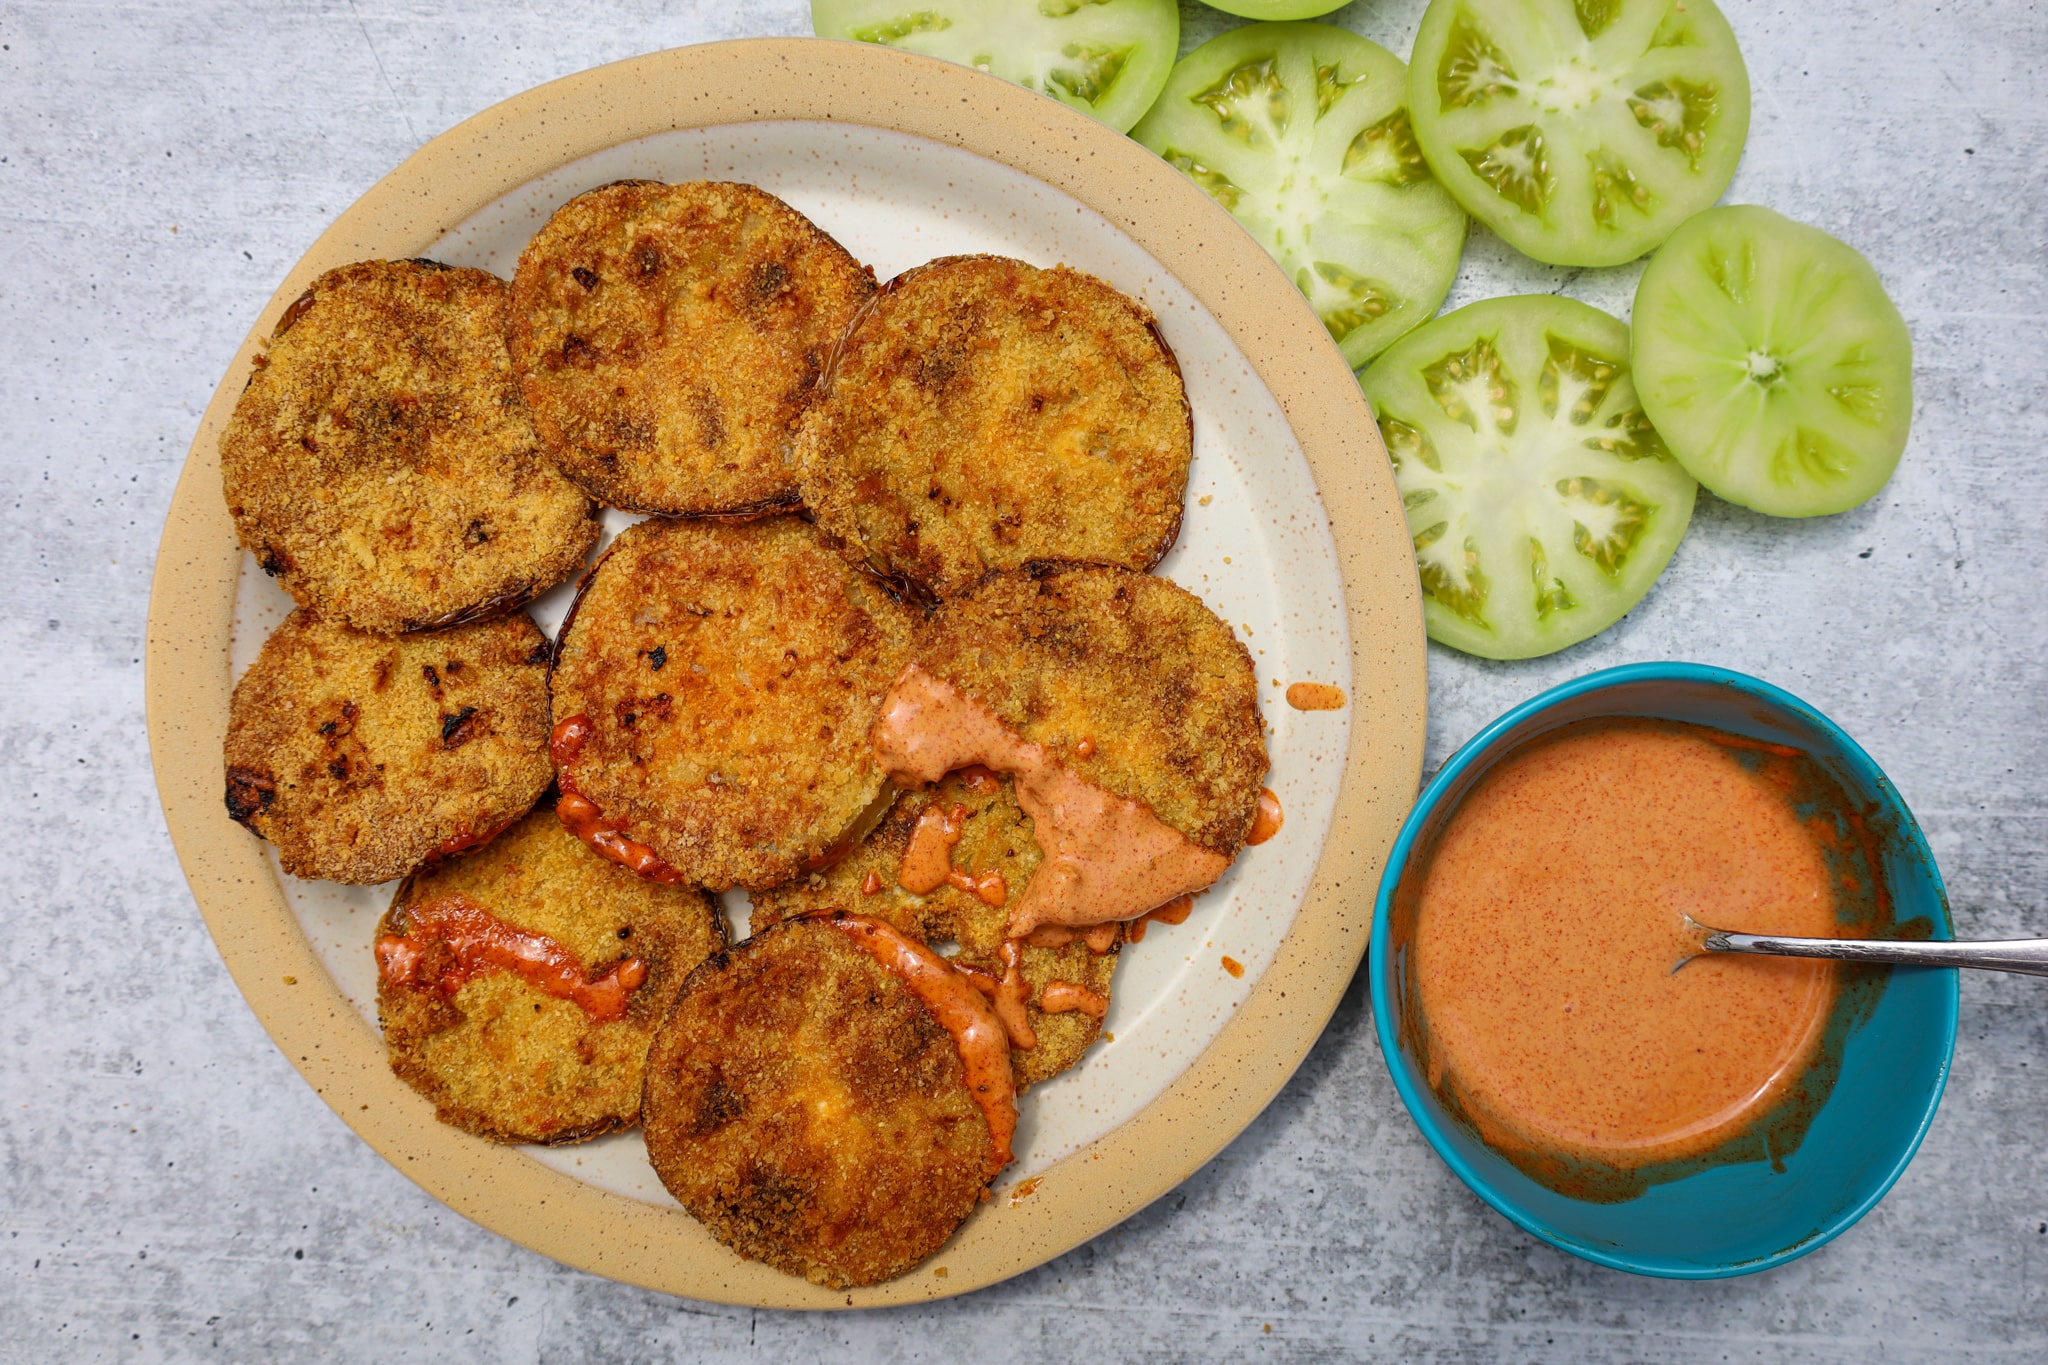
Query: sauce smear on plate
[{"x": 1549, "y": 925}]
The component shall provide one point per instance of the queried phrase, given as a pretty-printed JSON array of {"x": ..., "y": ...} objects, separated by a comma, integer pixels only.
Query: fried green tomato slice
[
  {"x": 1129, "y": 680},
  {"x": 728, "y": 673},
  {"x": 993, "y": 855},
  {"x": 381, "y": 464},
  {"x": 360, "y": 756},
  {"x": 1106, "y": 58},
  {"x": 1302, "y": 132},
  {"x": 986, "y": 414},
  {"x": 519, "y": 985},
  {"x": 1583, "y": 134},
  {"x": 1773, "y": 362},
  {"x": 668, "y": 339},
  {"x": 1542, "y": 502},
  {"x": 811, "y": 1111}
]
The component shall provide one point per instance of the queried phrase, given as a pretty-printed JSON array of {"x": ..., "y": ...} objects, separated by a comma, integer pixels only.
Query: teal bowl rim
[{"x": 1481, "y": 745}]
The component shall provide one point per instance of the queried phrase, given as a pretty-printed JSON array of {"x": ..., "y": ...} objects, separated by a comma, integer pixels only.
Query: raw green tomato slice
[
  {"x": 1772, "y": 360},
  {"x": 1541, "y": 501},
  {"x": 1277, "y": 9},
  {"x": 1585, "y": 132},
  {"x": 1299, "y": 130},
  {"x": 1106, "y": 58}
]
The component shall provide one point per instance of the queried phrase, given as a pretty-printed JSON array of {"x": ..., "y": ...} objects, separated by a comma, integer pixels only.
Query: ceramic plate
[{"x": 1294, "y": 534}]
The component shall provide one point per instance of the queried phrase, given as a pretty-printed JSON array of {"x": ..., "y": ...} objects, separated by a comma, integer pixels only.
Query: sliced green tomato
[
  {"x": 1583, "y": 133},
  {"x": 1299, "y": 130},
  {"x": 1772, "y": 360},
  {"x": 1541, "y": 501},
  {"x": 1107, "y": 58},
  {"x": 1277, "y": 9}
]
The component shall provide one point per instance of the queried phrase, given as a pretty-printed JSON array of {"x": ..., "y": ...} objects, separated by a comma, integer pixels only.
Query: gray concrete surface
[{"x": 169, "y": 1189}]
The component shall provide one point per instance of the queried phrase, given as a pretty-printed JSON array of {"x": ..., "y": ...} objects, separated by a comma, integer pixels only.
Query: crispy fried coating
[
  {"x": 808, "y": 1108},
  {"x": 380, "y": 462},
  {"x": 670, "y": 337},
  {"x": 730, "y": 672},
  {"x": 1159, "y": 688},
  {"x": 360, "y": 755},
  {"x": 986, "y": 414},
  {"x": 506, "y": 1060},
  {"x": 995, "y": 837}
]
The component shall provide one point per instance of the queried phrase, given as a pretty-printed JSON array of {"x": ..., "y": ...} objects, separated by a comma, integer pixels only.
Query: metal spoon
[{"x": 2028, "y": 955}]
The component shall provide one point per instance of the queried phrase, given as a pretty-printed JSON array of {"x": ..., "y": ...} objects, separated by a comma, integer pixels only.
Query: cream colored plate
[{"x": 931, "y": 161}]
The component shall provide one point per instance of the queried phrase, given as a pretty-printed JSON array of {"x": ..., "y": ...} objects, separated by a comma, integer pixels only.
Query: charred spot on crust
[
  {"x": 476, "y": 533},
  {"x": 585, "y": 276},
  {"x": 542, "y": 655},
  {"x": 459, "y": 727},
  {"x": 721, "y": 1105},
  {"x": 648, "y": 260},
  {"x": 274, "y": 561},
  {"x": 657, "y": 657},
  {"x": 769, "y": 278},
  {"x": 578, "y": 352},
  {"x": 250, "y": 794}
]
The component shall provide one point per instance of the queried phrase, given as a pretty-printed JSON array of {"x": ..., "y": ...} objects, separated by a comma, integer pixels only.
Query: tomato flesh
[
  {"x": 1582, "y": 134},
  {"x": 1773, "y": 361},
  {"x": 1107, "y": 58},
  {"x": 1541, "y": 501},
  {"x": 1300, "y": 131}
]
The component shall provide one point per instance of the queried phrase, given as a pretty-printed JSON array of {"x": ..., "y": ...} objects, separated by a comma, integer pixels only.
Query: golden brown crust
[
  {"x": 359, "y": 755},
  {"x": 669, "y": 339},
  {"x": 807, "y": 1107},
  {"x": 986, "y": 414},
  {"x": 503, "y": 1059},
  {"x": 1136, "y": 665},
  {"x": 995, "y": 836},
  {"x": 380, "y": 461},
  {"x": 730, "y": 672}
]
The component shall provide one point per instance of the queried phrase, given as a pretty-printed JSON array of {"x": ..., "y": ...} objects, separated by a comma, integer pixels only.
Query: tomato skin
[
  {"x": 1542, "y": 503},
  {"x": 1581, "y": 134},
  {"x": 1106, "y": 58},
  {"x": 1773, "y": 361},
  {"x": 1280, "y": 10},
  {"x": 1300, "y": 131}
]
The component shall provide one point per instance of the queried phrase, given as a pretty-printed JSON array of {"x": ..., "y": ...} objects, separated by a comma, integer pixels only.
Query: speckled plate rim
[
  {"x": 1386, "y": 1014},
  {"x": 192, "y": 601}
]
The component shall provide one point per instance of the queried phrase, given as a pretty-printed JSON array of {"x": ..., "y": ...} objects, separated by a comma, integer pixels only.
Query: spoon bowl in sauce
[{"x": 1692, "y": 1124}]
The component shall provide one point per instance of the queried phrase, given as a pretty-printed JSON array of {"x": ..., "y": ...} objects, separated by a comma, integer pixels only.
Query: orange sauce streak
[
  {"x": 1604, "y": 835},
  {"x": 984, "y": 1046},
  {"x": 1025, "y": 1189},
  {"x": 1061, "y": 997},
  {"x": 1100, "y": 938},
  {"x": 989, "y": 888},
  {"x": 928, "y": 860},
  {"x": 979, "y": 780},
  {"x": 1307, "y": 696},
  {"x": 1084, "y": 748},
  {"x": 871, "y": 885},
  {"x": 480, "y": 943},
  {"x": 463, "y": 841},
  {"x": 1012, "y": 993},
  {"x": 1267, "y": 821},
  {"x": 1232, "y": 965},
  {"x": 581, "y": 817},
  {"x": 1175, "y": 911},
  {"x": 1105, "y": 858}
]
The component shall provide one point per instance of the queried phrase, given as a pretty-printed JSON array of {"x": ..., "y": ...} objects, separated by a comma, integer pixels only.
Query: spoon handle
[{"x": 2028, "y": 955}]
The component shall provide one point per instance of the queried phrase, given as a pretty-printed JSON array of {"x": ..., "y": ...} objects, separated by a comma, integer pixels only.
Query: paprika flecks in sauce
[{"x": 475, "y": 942}]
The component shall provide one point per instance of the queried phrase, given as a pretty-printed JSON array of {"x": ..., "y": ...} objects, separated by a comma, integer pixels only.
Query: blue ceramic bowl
[{"x": 1738, "y": 1217}]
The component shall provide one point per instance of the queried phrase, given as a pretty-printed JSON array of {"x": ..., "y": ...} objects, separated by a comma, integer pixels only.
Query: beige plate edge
[{"x": 192, "y": 602}]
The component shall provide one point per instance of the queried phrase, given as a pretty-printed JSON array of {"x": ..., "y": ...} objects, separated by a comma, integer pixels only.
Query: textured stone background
[{"x": 169, "y": 1189}]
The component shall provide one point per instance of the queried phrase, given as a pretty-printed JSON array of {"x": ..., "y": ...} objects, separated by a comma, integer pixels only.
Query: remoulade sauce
[
  {"x": 958, "y": 1006},
  {"x": 479, "y": 943},
  {"x": 582, "y": 818},
  {"x": 1106, "y": 858},
  {"x": 1547, "y": 927}
]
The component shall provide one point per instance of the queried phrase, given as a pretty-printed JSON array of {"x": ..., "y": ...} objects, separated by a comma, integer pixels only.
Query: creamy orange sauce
[
  {"x": 1012, "y": 993},
  {"x": 479, "y": 943},
  {"x": 1232, "y": 965},
  {"x": 463, "y": 841},
  {"x": 1175, "y": 911},
  {"x": 1105, "y": 858},
  {"x": 1100, "y": 938},
  {"x": 953, "y": 1001},
  {"x": 871, "y": 885},
  {"x": 1061, "y": 997},
  {"x": 582, "y": 818},
  {"x": 928, "y": 859},
  {"x": 989, "y": 888},
  {"x": 1267, "y": 820},
  {"x": 1310, "y": 696},
  {"x": 1548, "y": 927}
]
